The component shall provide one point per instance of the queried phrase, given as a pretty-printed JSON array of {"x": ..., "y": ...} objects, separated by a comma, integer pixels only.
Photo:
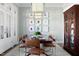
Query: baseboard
[
  {"x": 59, "y": 42},
  {"x": 8, "y": 50}
]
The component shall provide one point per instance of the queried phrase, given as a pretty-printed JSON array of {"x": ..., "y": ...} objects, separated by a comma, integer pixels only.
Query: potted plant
[{"x": 37, "y": 34}]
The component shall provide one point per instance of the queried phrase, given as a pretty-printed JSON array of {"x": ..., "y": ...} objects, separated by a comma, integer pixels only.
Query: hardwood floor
[{"x": 59, "y": 51}]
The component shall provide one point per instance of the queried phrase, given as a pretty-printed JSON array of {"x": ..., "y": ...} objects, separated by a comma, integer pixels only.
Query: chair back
[
  {"x": 50, "y": 37},
  {"x": 22, "y": 38},
  {"x": 32, "y": 43},
  {"x": 25, "y": 36}
]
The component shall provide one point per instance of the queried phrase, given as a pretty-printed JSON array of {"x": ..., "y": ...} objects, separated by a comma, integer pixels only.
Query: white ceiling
[
  {"x": 54, "y": 5},
  {"x": 46, "y": 4},
  {"x": 65, "y": 6},
  {"x": 23, "y": 4}
]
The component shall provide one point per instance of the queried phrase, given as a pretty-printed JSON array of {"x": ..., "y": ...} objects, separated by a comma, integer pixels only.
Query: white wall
[
  {"x": 67, "y": 6},
  {"x": 56, "y": 21},
  {"x": 22, "y": 19}
]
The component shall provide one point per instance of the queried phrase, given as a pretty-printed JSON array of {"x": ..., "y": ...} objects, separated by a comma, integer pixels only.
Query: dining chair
[
  {"x": 22, "y": 43},
  {"x": 22, "y": 38},
  {"x": 35, "y": 47},
  {"x": 50, "y": 44}
]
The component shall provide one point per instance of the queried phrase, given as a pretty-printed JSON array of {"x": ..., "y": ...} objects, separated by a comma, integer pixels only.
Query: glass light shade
[
  {"x": 72, "y": 32},
  {"x": 38, "y": 28},
  {"x": 38, "y": 22},
  {"x": 31, "y": 22},
  {"x": 72, "y": 25},
  {"x": 45, "y": 29},
  {"x": 31, "y": 28},
  {"x": 45, "y": 22},
  {"x": 72, "y": 39},
  {"x": 37, "y": 7},
  {"x": 38, "y": 14},
  {"x": 38, "y": 17}
]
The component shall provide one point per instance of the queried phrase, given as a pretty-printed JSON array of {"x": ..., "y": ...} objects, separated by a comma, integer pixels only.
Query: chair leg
[
  {"x": 26, "y": 51},
  {"x": 52, "y": 50},
  {"x": 55, "y": 50},
  {"x": 45, "y": 54},
  {"x": 28, "y": 54}
]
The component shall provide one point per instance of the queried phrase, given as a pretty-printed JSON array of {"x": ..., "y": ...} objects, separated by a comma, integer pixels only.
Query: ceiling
[
  {"x": 23, "y": 4},
  {"x": 45, "y": 4},
  {"x": 65, "y": 6}
]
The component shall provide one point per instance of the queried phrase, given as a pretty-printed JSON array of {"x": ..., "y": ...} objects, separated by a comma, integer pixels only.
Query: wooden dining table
[{"x": 43, "y": 41}]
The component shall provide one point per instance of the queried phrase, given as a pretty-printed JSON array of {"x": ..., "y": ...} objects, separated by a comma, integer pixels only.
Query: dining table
[{"x": 42, "y": 40}]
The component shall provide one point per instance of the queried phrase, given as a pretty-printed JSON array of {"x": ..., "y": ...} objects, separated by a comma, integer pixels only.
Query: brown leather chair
[
  {"x": 51, "y": 38},
  {"x": 22, "y": 37},
  {"x": 50, "y": 43},
  {"x": 32, "y": 43},
  {"x": 22, "y": 42},
  {"x": 35, "y": 47}
]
